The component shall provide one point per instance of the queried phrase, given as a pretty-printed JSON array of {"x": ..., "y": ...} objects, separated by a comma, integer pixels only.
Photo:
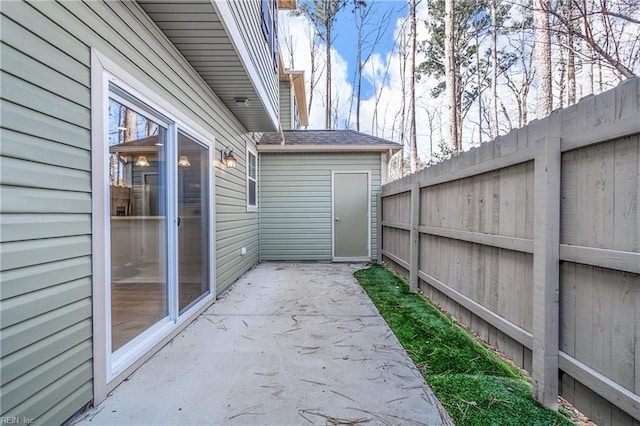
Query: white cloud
[
  {"x": 381, "y": 113},
  {"x": 300, "y": 32}
]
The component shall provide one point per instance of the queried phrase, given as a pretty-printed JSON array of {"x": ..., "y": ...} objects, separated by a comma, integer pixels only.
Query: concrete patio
[{"x": 289, "y": 344}]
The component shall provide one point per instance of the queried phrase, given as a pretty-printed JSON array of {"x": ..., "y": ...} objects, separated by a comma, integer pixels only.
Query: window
[
  {"x": 252, "y": 181},
  {"x": 269, "y": 9}
]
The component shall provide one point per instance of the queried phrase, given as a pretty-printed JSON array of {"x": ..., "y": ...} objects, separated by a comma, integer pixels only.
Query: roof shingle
[{"x": 324, "y": 137}]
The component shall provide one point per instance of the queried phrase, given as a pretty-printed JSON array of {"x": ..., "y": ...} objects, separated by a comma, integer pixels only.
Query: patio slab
[{"x": 289, "y": 344}]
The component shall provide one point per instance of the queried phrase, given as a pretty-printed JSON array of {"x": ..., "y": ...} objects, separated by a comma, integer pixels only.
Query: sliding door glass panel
[
  {"x": 193, "y": 221},
  {"x": 137, "y": 182}
]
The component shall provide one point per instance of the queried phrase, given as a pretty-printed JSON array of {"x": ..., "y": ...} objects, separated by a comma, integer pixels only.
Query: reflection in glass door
[
  {"x": 193, "y": 222},
  {"x": 137, "y": 182}
]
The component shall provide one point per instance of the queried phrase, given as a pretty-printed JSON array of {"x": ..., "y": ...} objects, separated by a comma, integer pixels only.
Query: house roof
[
  {"x": 324, "y": 141},
  {"x": 148, "y": 144}
]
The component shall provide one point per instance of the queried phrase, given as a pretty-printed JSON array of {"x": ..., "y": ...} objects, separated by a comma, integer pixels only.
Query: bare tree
[
  {"x": 542, "y": 57},
  {"x": 431, "y": 114},
  {"x": 494, "y": 69},
  {"x": 561, "y": 73},
  {"x": 614, "y": 39},
  {"x": 316, "y": 70},
  {"x": 286, "y": 39},
  {"x": 379, "y": 87},
  {"x": 403, "y": 58},
  {"x": 571, "y": 61},
  {"x": 323, "y": 15},
  {"x": 519, "y": 70},
  {"x": 413, "y": 144},
  {"x": 450, "y": 69},
  {"x": 369, "y": 35}
]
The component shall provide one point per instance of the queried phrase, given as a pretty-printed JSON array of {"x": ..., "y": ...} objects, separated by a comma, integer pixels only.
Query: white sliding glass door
[
  {"x": 138, "y": 206},
  {"x": 193, "y": 221},
  {"x": 160, "y": 222}
]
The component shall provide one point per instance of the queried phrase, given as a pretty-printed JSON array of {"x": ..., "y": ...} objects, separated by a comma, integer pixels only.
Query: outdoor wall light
[
  {"x": 184, "y": 161},
  {"x": 242, "y": 102},
  {"x": 142, "y": 161},
  {"x": 227, "y": 158}
]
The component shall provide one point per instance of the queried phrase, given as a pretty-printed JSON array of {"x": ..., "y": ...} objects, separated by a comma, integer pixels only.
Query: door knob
[{"x": 337, "y": 219}]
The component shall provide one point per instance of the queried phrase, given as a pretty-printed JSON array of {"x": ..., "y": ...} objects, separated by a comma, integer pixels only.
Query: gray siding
[
  {"x": 45, "y": 200},
  {"x": 295, "y": 202},
  {"x": 285, "y": 105}
]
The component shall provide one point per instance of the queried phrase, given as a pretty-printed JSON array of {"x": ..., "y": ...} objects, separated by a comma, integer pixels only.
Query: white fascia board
[
  {"x": 327, "y": 148},
  {"x": 228, "y": 21}
]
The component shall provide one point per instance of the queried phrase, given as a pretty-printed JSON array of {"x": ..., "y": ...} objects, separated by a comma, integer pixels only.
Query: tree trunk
[
  {"x": 359, "y": 78},
  {"x": 450, "y": 67},
  {"x": 588, "y": 61},
  {"x": 494, "y": 69},
  {"x": 479, "y": 83},
  {"x": 562, "y": 71},
  {"x": 130, "y": 123},
  {"x": 313, "y": 81},
  {"x": 358, "y": 70},
  {"x": 413, "y": 145},
  {"x": 542, "y": 53},
  {"x": 571, "y": 60},
  {"x": 328, "y": 76}
]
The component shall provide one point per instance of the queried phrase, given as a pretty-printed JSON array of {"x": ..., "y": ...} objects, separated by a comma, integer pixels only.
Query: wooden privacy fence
[{"x": 533, "y": 241}]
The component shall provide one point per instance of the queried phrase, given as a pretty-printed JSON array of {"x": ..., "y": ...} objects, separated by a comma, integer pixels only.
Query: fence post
[
  {"x": 546, "y": 272},
  {"x": 414, "y": 237},
  {"x": 379, "y": 227}
]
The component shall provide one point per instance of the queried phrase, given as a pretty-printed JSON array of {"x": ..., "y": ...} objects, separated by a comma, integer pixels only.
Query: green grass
[{"x": 475, "y": 385}]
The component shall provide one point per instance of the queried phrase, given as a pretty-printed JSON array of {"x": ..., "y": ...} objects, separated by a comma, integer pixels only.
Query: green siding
[
  {"x": 45, "y": 187},
  {"x": 248, "y": 16},
  {"x": 285, "y": 105},
  {"x": 295, "y": 202}
]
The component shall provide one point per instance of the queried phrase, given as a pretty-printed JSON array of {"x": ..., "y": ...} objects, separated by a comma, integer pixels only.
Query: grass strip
[{"x": 475, "y": 385}]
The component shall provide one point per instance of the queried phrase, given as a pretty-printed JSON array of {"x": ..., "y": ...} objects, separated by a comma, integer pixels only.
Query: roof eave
[
  {"x": 328, "y": 148},
  {"x": 287, "y": 4}
]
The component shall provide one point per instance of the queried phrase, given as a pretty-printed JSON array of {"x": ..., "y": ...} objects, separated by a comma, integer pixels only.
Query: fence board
[
  {"x": 517, "y": 333},
  {"x": 612, "y": 259},
  {"x": 568, "y": 308},
  {"x": 482, "y": 240},
  {"x": 626, "y": 209},
  {"x": 623, "y": 344}
]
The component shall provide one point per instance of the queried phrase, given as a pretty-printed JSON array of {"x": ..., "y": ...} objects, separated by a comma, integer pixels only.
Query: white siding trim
[
  {"x": 109, "y": 370},
  {"x": 99, "y": 227},
  {"x": 384, "y": 166},
  {"x": 250, "y": 150}
]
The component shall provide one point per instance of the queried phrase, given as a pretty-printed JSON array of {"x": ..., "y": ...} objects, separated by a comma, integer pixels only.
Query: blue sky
[{"x": 345, "y": 31}]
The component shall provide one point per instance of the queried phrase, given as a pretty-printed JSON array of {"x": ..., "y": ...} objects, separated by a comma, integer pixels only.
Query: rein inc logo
[{"x": 14, "y": 420}]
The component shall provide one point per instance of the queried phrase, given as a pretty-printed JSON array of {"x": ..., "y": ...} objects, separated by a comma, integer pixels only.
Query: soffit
[{"x": 196, "y": 30}]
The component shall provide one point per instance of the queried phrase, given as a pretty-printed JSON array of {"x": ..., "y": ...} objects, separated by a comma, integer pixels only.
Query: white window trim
[
  {"x": 105, "y": 375},
  {"x": 253, "y": 152}
]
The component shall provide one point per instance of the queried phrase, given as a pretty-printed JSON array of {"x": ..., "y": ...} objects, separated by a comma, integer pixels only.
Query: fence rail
[{"x": 533, "y": 241}]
